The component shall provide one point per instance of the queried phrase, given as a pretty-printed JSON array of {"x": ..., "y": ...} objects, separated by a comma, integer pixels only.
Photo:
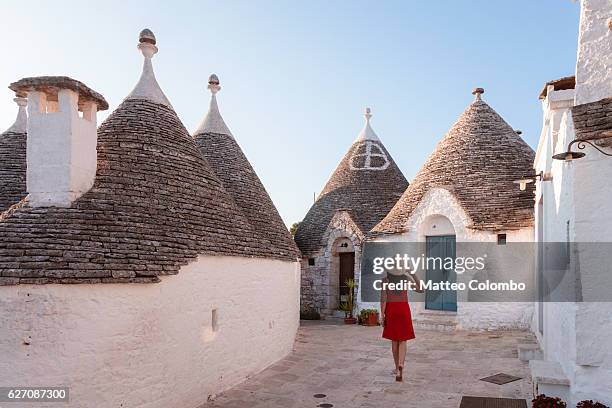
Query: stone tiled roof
[
  {"x": 240, "y": 180},
  {"x": 231, "y": 166},
  {"x": 592, "y": 120},
  {"x": 477, "y": 160},
  {"x": 12, "y": 168},
  {"x": 156, "y": 204},
  {"x": 51, "y": 85},
  {"x": 568, "y": 82},
  {"x": 369, "y": 190}
]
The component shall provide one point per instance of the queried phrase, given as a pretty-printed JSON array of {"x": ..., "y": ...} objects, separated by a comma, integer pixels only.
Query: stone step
[
  {"x": 436, "y": 320},
  {"x": 529, "y": 351},
  {"x": 435, "y": 325},
  {"x": 429, "y": 312},
  {"x": 548, "y": 378}
]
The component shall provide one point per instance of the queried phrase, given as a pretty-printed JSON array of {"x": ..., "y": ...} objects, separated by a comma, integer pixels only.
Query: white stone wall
[
  {"x": 439, "y": 213},
  {"x": 574, "y": 207},
  {"x": 592, "y": 197},
  {"x": 151, "y": 345}
]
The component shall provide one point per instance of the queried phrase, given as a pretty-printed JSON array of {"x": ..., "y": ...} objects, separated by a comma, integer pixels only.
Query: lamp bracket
[{"x": 580, "y": 143}]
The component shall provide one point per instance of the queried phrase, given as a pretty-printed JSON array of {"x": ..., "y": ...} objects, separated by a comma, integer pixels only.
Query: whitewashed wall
[
  {"x": 577, "y": 335},
  {"x": 592, "y": 377},
  {"x": 439, "y": 213},
  {"x": 153, "y": 345},
  {"x": 552, "y": 216}
]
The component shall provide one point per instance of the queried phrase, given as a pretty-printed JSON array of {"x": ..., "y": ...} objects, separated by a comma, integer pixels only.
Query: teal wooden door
[{"x": 442, "y": 247}]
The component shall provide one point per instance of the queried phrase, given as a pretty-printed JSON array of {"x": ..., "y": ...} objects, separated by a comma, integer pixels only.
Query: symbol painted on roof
[{"x": 369, "y": 156}]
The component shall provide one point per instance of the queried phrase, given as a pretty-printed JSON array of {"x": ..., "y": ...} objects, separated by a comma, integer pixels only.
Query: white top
[
  {"x": 147, "y": 87},
  {"x": 213, "y": 122},
  {"x": 21, "y": 122},
  {"x": 367, "y": 133}
]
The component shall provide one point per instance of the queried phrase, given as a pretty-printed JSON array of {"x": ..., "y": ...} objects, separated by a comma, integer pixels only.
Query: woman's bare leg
[
  {"x": 395, "y": 351},
  {"x": 401, "y": 353}
]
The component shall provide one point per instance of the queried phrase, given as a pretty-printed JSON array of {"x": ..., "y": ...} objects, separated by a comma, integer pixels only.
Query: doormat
[
  {"x": 487, "y": 402},
  {"x": 500, "y": 379}
]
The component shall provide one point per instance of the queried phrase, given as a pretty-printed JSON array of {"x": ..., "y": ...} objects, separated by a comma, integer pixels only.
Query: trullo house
[
  {"x": 465, "y": 192},
  {"x": 360, "y": 192},
  {"x": 13, "y": 159},
  {"x": 239, "y": 179},
  {"x": 130, "y": 273}
]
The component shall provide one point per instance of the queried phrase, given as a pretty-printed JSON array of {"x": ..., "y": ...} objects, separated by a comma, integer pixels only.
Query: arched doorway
[
  {"x": 440, "y": 245},
  {"x": 343, "y": 268}
]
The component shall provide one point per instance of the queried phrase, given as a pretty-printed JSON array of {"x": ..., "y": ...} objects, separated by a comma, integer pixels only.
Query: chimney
[
  {"x": 593, "y": 73},
  {"x": 62, "y": 138}
]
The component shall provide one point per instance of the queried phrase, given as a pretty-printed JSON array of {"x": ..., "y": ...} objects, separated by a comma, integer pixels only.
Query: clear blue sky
[{"x": 297, "y": 75}]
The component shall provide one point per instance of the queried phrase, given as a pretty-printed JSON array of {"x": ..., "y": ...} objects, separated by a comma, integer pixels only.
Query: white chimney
[
  {"x": 593, "y": 73},
  {"x": 62, "y": 138}
]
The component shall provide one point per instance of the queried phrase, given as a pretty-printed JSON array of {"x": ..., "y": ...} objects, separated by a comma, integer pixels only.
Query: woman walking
[{"x": 395, "y": 315}]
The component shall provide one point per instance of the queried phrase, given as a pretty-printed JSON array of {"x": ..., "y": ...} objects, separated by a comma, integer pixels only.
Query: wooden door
[{"x": 347, "y": 271}]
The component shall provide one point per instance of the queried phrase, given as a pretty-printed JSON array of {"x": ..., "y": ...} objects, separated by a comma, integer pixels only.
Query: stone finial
[
  {"x": 213, "y": 121},
  {"x": 477, "y": 92},
  {"x": 147, "y": 36},
  {"x": 213, "y": 84},
  {"x": 367, "y": 133},
  {"x": 147, "y": 87},
  {"x": 21, "y": 122},
  {"x": 146, "y": 43}
]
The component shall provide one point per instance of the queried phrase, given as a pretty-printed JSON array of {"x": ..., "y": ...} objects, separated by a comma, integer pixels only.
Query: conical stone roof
[
  {"x": 477, "y": 160},
  {"x": 13, "y": 160},
  {"x": 367, "y": 181},
  {"x": 156, "y": 204},
  {"x": 240, "y": 180}
]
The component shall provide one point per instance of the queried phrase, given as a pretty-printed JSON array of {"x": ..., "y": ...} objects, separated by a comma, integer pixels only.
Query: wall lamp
[
  {"x": 530, "y": 178},
  {"x": 570, "y": 155}
]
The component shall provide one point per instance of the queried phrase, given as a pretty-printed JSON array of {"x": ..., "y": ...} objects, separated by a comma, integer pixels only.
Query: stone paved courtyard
[{"x": 352, "y": 366}]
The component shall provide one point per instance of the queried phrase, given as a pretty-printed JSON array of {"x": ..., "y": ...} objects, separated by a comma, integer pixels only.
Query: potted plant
[
  {"x": 590, "y": 404},
  {"x": 349, "y": 305},
  {"x": 542, "y": 401},
  {"x": 368, "y": 317}
]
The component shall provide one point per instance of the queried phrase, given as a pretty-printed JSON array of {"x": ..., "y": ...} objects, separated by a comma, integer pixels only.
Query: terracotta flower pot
[{"x": 370, "y": 320}]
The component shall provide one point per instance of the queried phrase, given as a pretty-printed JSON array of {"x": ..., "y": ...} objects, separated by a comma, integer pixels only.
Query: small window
[
  {"x": 215, "y": 320},
  {"x": 501, "y": 239},
  {"x": 311, "y": 261}
]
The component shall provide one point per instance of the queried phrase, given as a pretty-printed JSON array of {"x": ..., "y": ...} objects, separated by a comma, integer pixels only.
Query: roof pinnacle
[
  {"x": 213, "y": 121},
  {"x": 477, "y": 92},
  {"x": 367, "y": 133},
  {"x": 21, "y": 122},
  {"x": 147, "y": 87}
]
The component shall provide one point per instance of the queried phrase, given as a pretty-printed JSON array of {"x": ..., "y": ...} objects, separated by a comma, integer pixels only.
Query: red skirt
[{"x": 398, "y": 322}]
